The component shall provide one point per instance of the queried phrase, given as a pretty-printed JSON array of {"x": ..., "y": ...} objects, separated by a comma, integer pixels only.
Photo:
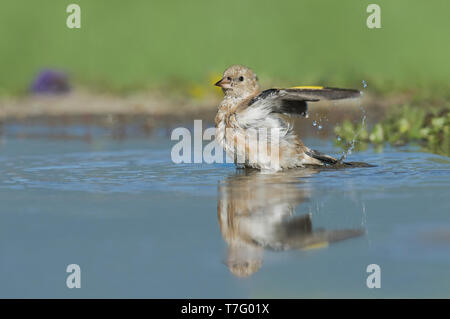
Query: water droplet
[
  {"x": 364, "y": 83},
  {"x": 319, "y": 127}
]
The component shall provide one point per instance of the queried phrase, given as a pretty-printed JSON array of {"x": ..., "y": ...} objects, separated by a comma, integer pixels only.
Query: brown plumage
[{"x": 253, "y": 126}]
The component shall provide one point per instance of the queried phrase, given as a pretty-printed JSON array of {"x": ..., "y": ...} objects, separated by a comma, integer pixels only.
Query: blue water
[{"x": 140, "y": 226}]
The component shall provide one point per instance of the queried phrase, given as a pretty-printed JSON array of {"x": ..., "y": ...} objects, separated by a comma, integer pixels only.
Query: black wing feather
[
  {"x": 263, "y": 95},
  {"x": 294, "y": 100},
  {"x": 297, "y": 107},
  {"x": 323, "y": 94},
  {"x": 281, "y": 105}
]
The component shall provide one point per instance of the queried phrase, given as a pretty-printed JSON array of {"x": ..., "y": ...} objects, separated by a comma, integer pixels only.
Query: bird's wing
[
  {"x": 289, "y": 101},
  {"x": 317, "y": 93}
]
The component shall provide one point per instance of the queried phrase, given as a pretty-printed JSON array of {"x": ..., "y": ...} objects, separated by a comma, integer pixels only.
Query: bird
[
  {"x": 254, "y": 126},
  {"x": 257, "y": 213}
]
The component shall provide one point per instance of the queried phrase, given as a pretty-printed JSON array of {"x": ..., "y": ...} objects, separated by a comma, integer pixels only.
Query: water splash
[
  {"x": 317, "y": 124},
  {"x": 355, "y": 137},
  {"x": 364, "y": 83}
]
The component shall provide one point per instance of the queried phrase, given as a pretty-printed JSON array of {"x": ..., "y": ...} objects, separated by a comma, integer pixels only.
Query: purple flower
[{"x": 51, "y": 81}]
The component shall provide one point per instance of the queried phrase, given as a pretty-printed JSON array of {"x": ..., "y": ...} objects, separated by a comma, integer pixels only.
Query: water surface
[{"x": 140, "y": 226}]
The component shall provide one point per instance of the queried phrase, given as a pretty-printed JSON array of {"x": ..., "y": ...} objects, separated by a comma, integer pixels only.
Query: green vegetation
[
  {"x": 133, "y": 45},
  {"x": 181, "y": 47},
  {"x": 405, "y": 124}
]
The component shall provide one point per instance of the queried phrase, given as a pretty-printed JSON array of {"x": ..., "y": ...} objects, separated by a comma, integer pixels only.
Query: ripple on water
[
  {"x": 135, "y": 170},
  {"x": 161, "y": 214}
]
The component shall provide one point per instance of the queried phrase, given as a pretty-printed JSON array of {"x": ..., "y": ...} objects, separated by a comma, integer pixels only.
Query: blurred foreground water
[{"x": 140, "y": 226}]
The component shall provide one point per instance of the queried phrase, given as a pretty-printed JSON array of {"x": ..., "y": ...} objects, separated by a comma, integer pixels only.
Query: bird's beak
[{"x": 223, "y": 83}]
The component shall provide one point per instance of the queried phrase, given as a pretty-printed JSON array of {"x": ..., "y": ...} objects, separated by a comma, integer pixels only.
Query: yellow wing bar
[
  {"x": 308, "y": 87},
  {"x": 318, "y": 245}
]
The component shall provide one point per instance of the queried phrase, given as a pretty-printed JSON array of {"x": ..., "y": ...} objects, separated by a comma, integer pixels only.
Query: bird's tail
[{"x": 328, "y": 160}]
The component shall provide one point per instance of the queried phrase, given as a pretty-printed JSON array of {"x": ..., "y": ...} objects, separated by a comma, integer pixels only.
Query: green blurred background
[{"x": 140, "y": 44}]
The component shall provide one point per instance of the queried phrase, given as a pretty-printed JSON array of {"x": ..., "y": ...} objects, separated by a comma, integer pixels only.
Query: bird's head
[{"x": 239, "y": 81}]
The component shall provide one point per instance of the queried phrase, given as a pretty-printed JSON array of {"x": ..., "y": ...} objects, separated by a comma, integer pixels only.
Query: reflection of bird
[
  {"x": 256, "y": 212},
  {"x": 245, "y": 108}
]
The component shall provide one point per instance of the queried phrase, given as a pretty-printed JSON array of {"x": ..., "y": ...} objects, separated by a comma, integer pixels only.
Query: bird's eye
[
  {"x": 228, "y": 78},
  {"x": 241, "y": 78}
]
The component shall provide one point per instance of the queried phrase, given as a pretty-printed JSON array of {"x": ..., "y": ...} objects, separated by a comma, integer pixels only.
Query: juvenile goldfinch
[
  {"x": 256, "y": 212},
  {"x": 248, "y": 117}
]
